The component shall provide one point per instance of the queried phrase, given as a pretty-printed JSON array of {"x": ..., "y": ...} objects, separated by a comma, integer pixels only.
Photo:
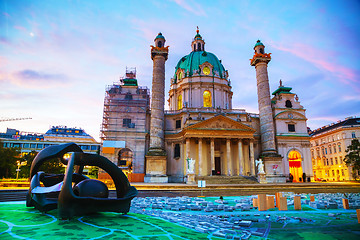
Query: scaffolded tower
[{"x": 125, "y": 125}]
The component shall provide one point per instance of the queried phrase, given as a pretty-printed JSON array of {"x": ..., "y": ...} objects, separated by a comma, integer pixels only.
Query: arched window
[
  {"x": 180, "y": 76},
  {"x": 288, "y": 104},
  {"x": 262, "y": 50},
  {"x": 125, "y": 158},
  {"x": 207, "y": 99},
  {"x": 179, "y": 102},
  {"x": 194, "y": 47},
  {"x": 199, "y": 46},
  {"x": 159, "y": 44}
]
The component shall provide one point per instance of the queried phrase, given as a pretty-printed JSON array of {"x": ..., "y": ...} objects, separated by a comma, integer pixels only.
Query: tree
[
  {"x": 50, "y": 166},
  {"x": 28, "y": 159},
  {"x": 352, "y": 157},
  {"x": 8, "y": 159}
]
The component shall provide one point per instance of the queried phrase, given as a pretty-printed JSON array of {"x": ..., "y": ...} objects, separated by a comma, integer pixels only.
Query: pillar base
[
  {"x": 156, "y": 179},
  {"x": 190, "y": 178},
  {"x": 261, "y": 178},
  {"x": 275, "y": 179},
  {"x": 155, "y": 169}
]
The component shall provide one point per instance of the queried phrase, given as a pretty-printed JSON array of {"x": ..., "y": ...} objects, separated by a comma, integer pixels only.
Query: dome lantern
[{"x": 198, "y": 43}]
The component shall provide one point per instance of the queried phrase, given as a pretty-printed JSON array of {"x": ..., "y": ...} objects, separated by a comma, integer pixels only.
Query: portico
[{"x": 219, "y": 146}]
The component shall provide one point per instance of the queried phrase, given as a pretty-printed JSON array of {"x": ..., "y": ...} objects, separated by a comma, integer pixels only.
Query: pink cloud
[
  {"x": 321, "y": 60},
  {"x": 33, "y": 79},
  {"x": 193, "y": 7}
]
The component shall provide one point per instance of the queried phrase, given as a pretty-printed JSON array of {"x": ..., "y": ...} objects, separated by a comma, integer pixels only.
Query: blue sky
[{"x": 56, "y": 57}]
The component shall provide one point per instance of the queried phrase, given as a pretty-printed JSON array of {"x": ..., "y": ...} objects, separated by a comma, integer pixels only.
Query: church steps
[{"x": 227, "y": 179}]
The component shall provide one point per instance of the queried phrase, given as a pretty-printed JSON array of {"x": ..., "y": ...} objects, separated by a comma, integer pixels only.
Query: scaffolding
[{"x": 126, "y": 117}]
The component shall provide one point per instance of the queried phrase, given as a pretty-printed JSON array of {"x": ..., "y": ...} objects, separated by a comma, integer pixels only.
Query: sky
[{"x": 57, "y": 57}]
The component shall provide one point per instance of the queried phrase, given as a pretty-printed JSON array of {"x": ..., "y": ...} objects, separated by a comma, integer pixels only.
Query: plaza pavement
[{"x": 12, "y": 192}]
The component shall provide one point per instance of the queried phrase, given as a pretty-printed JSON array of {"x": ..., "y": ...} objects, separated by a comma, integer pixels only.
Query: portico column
[
  {"x": 200, "y": 157},
  {"x": 252, "y": 161},
  {"x": 241, "y": 158},
  {"x": 228, "y": 157},
  {"x": 187, "y": 148},
  {"x": 212, "y": 155}
]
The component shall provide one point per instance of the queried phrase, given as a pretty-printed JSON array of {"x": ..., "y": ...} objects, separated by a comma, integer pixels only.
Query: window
[
  {"x": 39, "y": 146},
  {"x": 327, "y": 162},
  {"x": 94, "y": 147},
  {"x": 177, "y": 150},
  {"x": 291, "y": 127},
  {"x": 331, "y": 161},
  {"x": 128, "y": 96},
  {"x": 179, "y": 102},
  {"x": 326, "y": 151},
  {"x": 336, "y": 161},
  {"x": 127, "y": 122},
  {"x": 32, "y": 145},
  {"x": 341, "y": 160},
  {"x": 84, "y": 147},
  {"x": 199, "y": 46},
  {"x": 207, "y": 98},
  {"x": 339, "y": 145},
  {"x": 180, "y": 76},
  {"x": 26, "y": 145},
  {"x": 342, "y": 172},
  {"x": 16, "y": 145},
  {"x": 334, "y": 148},
  {"x": 317, "y": 152},
  {"x": 125, "y": 158},
  {"x": 322, "y": 151},
  {"x": 178, "y": 124},
  {"x": 330, "y": 149},
  {"x": 159, "y": 44},
  {"x": 353, "y": 135},
  {"x": 262, "y": 50},
  {"x": 288, "y": 104},
  {"x": 194, "y": 47}
]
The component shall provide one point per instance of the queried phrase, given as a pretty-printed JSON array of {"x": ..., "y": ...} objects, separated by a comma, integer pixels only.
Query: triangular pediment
[{"x": 221, "y": 122}]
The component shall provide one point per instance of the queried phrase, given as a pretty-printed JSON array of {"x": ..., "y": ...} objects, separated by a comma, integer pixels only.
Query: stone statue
[
  {"x": 190, "y": 165},
  {"x": 260, "y": 166}
]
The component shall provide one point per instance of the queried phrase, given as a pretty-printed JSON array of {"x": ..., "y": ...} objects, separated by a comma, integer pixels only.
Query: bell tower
[
  {"x": 269, "y": 153},
  {"x": 156, "y": 156}
]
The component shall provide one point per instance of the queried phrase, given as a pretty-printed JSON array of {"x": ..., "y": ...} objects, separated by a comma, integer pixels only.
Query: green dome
[
  {"x": 198, "y": 37},
  {"x": 258, "y": 43},
  {"x": 160, "y": 36},
  {"x": 193, "y": 61}
]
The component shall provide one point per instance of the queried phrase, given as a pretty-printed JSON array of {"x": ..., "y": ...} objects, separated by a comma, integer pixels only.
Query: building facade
[
  {"x": 328, "y": 145},
  {"x": 28, "y": 142},
  {"x": 202, "y": 125}
]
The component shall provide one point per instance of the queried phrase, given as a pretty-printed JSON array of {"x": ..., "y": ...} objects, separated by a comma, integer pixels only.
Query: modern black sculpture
[{"x": 77, "y": 194}]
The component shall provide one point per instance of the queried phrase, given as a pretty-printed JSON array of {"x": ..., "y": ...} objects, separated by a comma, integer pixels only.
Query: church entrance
[
  {"x": 295, "y": 166},
  {"x": 217, "y": 166}
]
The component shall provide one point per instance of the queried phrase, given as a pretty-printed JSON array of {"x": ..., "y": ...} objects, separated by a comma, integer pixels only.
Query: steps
[{"x": 227, "y": 179}]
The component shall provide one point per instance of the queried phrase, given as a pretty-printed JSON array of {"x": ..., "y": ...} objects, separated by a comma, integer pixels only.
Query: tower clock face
[{"x": 206, "y": 70}]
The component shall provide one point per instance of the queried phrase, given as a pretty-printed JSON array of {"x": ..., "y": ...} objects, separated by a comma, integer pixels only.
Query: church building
[{"x": 201, "y": 137}]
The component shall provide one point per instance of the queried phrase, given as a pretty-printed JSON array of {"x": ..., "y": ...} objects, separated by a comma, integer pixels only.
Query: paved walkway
[{"x": 178, "y": 189}]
